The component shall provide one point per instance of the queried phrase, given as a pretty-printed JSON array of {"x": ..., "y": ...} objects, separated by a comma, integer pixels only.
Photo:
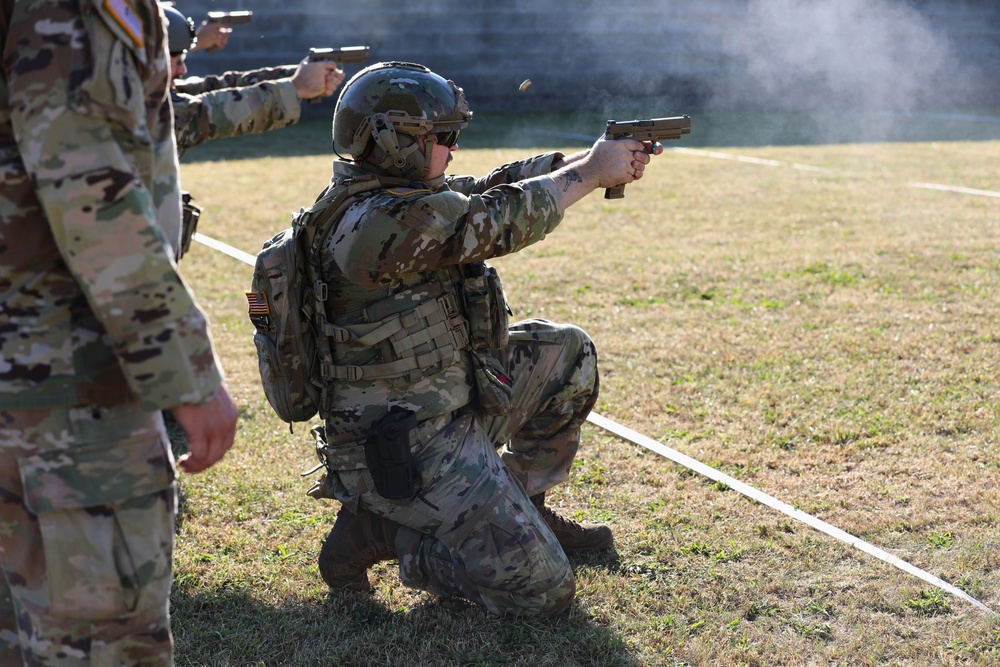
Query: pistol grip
[{"x": 617, "y": 192}]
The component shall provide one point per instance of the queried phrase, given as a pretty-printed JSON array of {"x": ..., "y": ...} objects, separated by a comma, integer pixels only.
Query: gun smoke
[{"x": 641, "y": 59}]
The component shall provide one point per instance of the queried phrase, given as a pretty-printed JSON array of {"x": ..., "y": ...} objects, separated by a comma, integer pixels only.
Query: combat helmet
[
  {"x": 386, "y": 107},
  {"x": 180, "y": 31}
]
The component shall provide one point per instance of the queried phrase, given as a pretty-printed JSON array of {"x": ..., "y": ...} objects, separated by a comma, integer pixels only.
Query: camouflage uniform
[
  {"x": 98, "y": 333},
  {"x": 215, "y": 107},
  {"x": 471, "y": 529},
  {"x": 234, "y": 104}
]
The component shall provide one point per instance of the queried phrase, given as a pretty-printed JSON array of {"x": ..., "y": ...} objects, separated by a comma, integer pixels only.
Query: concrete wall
[{"x": 650, "y": 57}]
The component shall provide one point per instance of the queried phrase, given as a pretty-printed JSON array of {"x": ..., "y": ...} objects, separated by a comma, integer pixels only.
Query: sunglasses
[{"x": 447, "y": 139}]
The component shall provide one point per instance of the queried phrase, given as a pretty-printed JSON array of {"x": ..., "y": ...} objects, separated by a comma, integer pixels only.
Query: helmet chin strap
[
  {"x": 436, "y": 182},
  {"x": 430, "y": 141}
]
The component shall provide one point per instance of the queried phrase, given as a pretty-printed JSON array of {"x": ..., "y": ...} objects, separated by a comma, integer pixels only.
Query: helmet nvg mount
[
  {"x": 180, "y": 31},
  {"x": 386, "y": 107}
]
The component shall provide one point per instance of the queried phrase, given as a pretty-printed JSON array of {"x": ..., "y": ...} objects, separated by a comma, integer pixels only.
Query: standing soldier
[
  {"x": 427, "y": 380},
  {"x": 98, "y": 334}
]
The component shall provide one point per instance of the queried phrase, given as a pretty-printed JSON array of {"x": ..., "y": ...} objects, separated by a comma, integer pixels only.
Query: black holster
[
  {"x": 387, "y": 452},
  {"x": 190, "y": 212}
]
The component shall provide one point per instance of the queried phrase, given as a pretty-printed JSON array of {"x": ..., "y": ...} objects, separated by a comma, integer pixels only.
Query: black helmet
[
  {"x": 385, "y": 107},
  {"x": 180, "y": 31}
]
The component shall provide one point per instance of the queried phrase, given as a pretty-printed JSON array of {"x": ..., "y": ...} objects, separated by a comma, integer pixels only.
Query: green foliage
[
  {"x": 929, "y": 603},
  {"x": 942, "y": 540}
]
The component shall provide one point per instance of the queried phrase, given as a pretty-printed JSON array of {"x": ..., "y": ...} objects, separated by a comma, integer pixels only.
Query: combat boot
[
  {"x": 356, "y": 542},
  {"x": 574, "y": 536}
]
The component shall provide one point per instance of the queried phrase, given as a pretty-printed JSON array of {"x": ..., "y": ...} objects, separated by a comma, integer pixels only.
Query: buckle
[
  {"x": 339, "y": 334},
  {"x": 449, "y": 306},
  {"x": 459, "y": 335},
  {"x": 320, "y": 290}
]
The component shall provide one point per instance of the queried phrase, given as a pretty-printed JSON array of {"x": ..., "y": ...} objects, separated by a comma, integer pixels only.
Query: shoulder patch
[
  {"x": 406, "y": 192},
  {"x": 123, "y": 14}
]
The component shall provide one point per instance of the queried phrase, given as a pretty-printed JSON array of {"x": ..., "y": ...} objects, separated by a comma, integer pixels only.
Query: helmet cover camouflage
[{"x": 409, "y": 98}]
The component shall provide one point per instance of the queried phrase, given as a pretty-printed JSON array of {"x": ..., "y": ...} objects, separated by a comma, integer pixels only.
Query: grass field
[{"x": 828, "y": 337}]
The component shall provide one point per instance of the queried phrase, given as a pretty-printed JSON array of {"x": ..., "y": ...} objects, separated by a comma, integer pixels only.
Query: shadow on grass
[
  {"x": 604, "y": 559},
  {"x": 538, "y": 132},
  {"x": 347, "y": 629}
]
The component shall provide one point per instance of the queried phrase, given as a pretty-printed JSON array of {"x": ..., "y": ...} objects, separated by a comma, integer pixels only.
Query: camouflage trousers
[
  {"x": 87, "y": 504},
  {"x": 471, "y": 531}
]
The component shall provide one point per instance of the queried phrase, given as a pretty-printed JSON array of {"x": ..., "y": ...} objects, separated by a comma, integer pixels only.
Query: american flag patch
[
  {"x": 258, "y": 303},
  {"x": 260, "y": 311},
  {"x": 125, "y": 16}
]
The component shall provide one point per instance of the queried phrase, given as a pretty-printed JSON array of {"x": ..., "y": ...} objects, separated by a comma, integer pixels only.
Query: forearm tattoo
[{"x": 570, "y": 177}]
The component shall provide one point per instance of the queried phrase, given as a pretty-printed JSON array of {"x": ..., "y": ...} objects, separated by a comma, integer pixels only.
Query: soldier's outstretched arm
[{"x": 607, "y": 163}]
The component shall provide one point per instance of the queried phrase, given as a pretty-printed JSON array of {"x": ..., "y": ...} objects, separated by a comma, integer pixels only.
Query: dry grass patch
[{"x": 829, "y": 338}]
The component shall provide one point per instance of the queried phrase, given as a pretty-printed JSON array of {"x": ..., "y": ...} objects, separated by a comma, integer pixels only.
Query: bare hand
[
  {"x": 317, "y": 79},
  {"x": 604, "y": 165},
  {"x": 210, "y": 428},
  {"x": 620, "y": 160},
  {"x": 212, "y": 36}
]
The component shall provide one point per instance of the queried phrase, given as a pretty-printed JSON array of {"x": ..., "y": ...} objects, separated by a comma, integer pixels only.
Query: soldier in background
[
  {"x": 427, "y": 381},
  {"x": 209, "y": 36},
  {"x": 230, "y": 105},
  {"x": 238, "y": 103},
  {"x": 98, "y": 334},
  {"x": 235, "y": 103}
]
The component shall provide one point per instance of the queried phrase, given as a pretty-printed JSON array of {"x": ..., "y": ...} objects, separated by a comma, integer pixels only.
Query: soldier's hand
[
  {"x": 620, "y": 160},
  {"x": 212, "y": 36},
  {"x": 605, "y": 164},
  {"x": 210, "y": 428},
  {"x": 317, "y": 79}
]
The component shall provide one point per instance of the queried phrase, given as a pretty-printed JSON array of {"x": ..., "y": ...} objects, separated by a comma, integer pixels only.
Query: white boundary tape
[
  {"x": 711, "y": 473},
  {"x": 953, "y": 188},
  {"x": 784, "y": 508},
  {"x": 244, "y": 257}
]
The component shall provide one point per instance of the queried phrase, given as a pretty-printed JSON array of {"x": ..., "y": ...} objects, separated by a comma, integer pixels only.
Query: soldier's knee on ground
[
  {"x": 559, "y": 599},
  {"x": 548, "y": 602}
]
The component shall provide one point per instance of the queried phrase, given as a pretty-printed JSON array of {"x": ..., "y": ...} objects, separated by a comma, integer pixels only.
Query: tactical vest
[{"x": 419, "y": 329}]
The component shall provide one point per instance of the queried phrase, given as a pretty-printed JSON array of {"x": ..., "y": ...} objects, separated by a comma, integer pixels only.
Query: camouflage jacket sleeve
[
  {"x": 196, "y": 85},
  {"x": 91, "y": 117},
  {"x": 512, "y": 172},
  {"x": 407, "y": 230},
  {"x": 231, "y": 112}
]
